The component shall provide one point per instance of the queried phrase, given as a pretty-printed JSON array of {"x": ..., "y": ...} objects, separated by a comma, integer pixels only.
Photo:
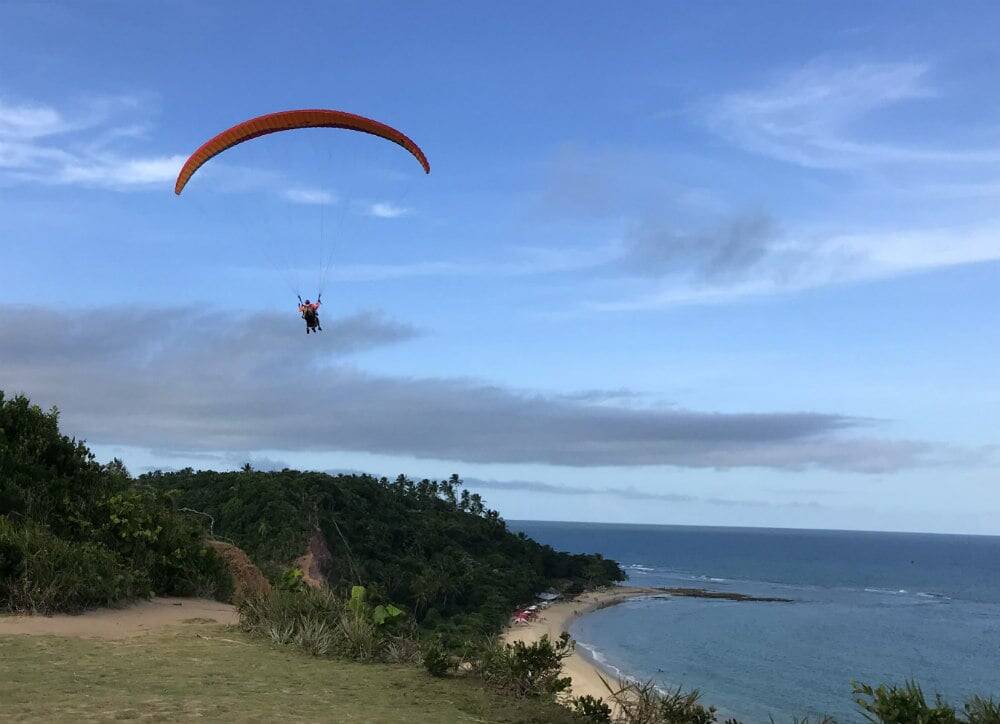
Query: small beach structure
[{"x": 524, "y": 615}]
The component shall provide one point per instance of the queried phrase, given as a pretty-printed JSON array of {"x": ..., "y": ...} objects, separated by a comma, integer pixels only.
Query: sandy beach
[{"x": 559, "y": 616}]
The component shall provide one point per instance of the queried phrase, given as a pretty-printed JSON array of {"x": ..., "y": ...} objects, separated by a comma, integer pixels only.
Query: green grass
[{"x": 212, "y": 673}]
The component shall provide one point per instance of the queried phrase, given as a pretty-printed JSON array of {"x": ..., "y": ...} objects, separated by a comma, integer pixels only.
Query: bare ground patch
[{"x": 117, "y": 623}]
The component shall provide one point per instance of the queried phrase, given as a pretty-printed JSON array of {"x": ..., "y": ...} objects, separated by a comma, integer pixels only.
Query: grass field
[{"x": 211, "y": 673}]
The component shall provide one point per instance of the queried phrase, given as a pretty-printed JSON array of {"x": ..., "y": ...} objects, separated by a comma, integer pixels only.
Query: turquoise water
[{"x": 876, "y": 607}]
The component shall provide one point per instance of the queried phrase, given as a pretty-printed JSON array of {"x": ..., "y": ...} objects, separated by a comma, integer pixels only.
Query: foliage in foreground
[
  {"x": 525, "y": 670},
  {"x": 323, "y": 624},
  {"x": 639, "y": 702},
  {"x": 592, "y": 709},
  {"x": 75, "y": 534},
  {"x": 907, "y": 704},
  {"x": 436, "y": 660},
  {"x": 643, "y": 703},
  {"x": 429, "y": 547}
]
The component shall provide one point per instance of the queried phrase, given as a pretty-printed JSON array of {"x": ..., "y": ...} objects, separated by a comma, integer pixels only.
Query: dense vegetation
[
  {"x": 76, "y": 534},
  {"x": 432, "y": 549}
]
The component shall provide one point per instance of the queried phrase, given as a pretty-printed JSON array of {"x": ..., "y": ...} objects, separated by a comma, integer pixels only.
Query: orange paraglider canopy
[{"x": 286, "y": 121}]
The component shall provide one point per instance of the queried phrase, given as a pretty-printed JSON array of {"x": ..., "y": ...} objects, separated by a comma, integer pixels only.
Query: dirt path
[{"x": 135, "y": 620}]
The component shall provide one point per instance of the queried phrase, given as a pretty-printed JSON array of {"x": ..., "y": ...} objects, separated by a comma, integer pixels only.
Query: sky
[{"x": 681, "y": 263}]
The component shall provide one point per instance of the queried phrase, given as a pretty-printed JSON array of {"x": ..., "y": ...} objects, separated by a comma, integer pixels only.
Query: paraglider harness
[{"x": 310, "y": 314}]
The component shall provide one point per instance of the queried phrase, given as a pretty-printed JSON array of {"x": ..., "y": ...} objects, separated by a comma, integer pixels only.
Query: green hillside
[
  {"x": 428, "y": 546},
  {"x": 75, "y": 534}
]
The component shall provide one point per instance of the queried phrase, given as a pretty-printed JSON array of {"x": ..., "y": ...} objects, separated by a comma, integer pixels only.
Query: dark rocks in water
[{"x": 723, "y": 595}]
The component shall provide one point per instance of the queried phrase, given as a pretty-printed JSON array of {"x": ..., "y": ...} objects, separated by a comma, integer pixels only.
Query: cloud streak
[
  {"x": 310, "y": 196},
  {"x": 749, "y": 256},
  {"x": 806, "y": 117},
  {"x": 41, "y": 144},
  {"x": 386, "y": 210},
  {"x": 30, "y": 121},
  {"x": 627, "y": 493},
  {"x": 178, "y": 379}
]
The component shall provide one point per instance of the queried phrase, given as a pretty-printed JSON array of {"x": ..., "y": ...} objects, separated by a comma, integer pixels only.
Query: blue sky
[{"x": 681, "y": 263}]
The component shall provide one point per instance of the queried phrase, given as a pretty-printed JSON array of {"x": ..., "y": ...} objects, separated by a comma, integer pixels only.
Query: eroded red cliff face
[{"x": 315, "y": 562}]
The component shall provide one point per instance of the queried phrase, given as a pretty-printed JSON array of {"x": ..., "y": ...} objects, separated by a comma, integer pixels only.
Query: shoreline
[
  {"x": 585, "y": 672},
  {"x": 581, "y": 665}
]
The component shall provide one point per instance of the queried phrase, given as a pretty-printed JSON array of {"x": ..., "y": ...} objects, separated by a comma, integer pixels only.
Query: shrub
[
  {"x": 592, "y": 709},
  {"x": 11, "y": 554},
  {"x": 436, "y": 660},
  {"x": 286, "y": 609},
  {"x": 315, "y": 636},
  {"x": 679, "y": 708},
  {"x": 77, "y": 534},
  {"x": 897, "y": 704},
  {"x": 320, "y": 622},
  {"x": 982, "y": 711},
  {"x": 901, "y": 705},
  {"x": 402, "y": 649},
  {"x": 359, "y": 638},
  {"x": 644, "y": 703},
  {"x": 526, "y": 670},
  {"x": 291, "y": 579},
  {"x": 40, "y": 573}
]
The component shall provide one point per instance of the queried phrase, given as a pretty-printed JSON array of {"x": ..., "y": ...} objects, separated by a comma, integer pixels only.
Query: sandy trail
[
  {"x": 118, "y": 623},
  {"x": 559, "y": 616}
]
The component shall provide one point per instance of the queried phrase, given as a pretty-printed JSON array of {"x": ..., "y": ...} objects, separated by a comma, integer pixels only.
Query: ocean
[{"x": 871, "y": 607}]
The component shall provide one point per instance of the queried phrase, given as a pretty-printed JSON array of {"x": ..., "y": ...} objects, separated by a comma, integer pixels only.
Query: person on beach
[{"x": 310, "y": 313}]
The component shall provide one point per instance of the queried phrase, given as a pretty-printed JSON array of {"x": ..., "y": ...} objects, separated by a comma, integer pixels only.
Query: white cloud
[
  {"x": 31, "y": 152},
  {"x": 20, "y": 156},
  {"x": 107, "y": 170},
  {"x": 893, "y": 252},
  {"x": 312, "y": 196},
  {"x": 27, "y": 121},
  {"x": 806, "y": 118},
  {"x": 386, "y": 210}
]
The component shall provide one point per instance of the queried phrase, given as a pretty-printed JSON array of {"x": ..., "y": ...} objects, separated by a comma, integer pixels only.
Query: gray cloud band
[
  {"x": 187, "y": 380},
  {"x": 627, "y": 493}
]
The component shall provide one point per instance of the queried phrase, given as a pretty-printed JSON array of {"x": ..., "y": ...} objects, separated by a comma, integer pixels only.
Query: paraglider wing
[{"x": 286, "y": 121}]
